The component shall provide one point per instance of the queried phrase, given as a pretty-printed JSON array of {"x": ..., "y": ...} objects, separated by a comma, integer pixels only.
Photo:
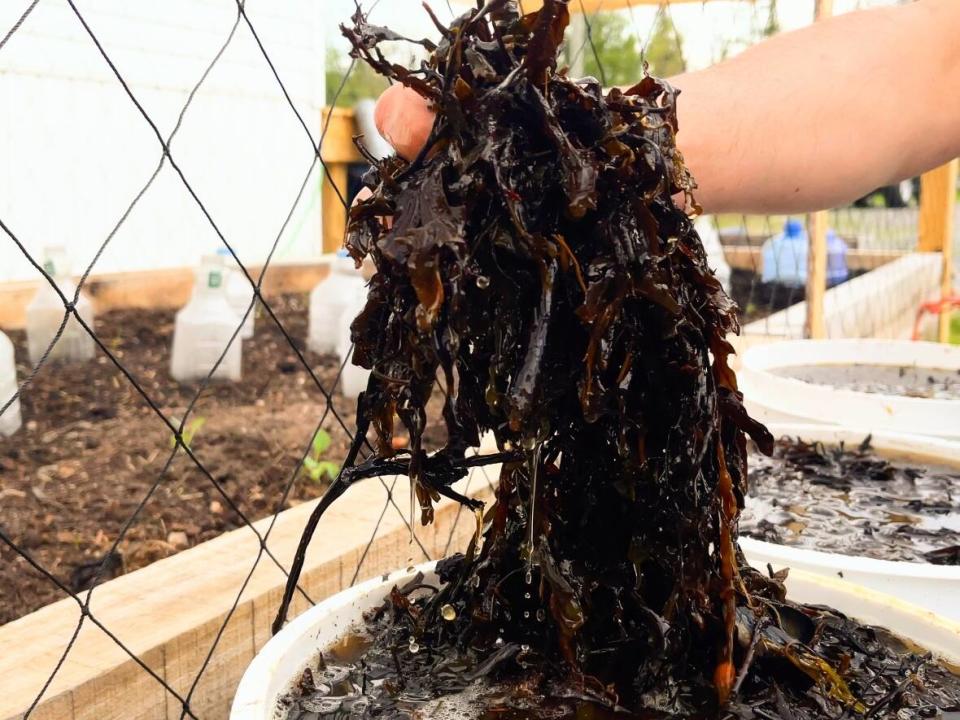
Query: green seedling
[
  {"x": 314, "y": 464},
  {"x": 189, "y": 432}
]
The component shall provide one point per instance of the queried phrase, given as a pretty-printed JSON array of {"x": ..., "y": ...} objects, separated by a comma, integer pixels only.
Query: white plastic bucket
[
  {"x": 775, "y": 398},
  {"x": 278, "y": 665},
  {"x": 933, "y": 587}
]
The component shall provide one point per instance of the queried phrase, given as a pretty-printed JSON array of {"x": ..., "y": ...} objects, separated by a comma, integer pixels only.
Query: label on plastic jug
[{"x": 214, "y": 278}]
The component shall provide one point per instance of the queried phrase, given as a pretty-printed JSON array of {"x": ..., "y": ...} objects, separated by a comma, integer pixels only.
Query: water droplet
[
  {"x": 414, "y": 647},
  {"x": 448, "y": 612},
  {"x": 525, "y": 648},
  {"x": 528, "y": 578},
  {"x": 526, "y": 614},
  {"x": 483, "y": 282},
  {"x": 498, "y": 642},
  {"x": 541, "y": 615},
  {"x": 526, "y": 596}
]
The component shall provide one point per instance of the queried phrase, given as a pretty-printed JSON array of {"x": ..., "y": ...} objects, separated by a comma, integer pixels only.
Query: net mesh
[{"x": 876, "y": 233}]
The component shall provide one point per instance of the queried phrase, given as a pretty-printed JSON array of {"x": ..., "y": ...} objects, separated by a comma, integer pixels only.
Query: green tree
[
  {"x": 773, "y": 22},
  {"x": 664, "y": 52},
  {"x": 362, "y": 83},
  {"x": 617, "y": 49}
]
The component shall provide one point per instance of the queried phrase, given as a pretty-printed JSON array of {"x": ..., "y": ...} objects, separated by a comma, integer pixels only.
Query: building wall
[{"x": 74, "y": 150}]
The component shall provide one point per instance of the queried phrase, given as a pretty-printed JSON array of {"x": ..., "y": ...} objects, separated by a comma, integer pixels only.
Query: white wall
[{"x": 74, "y": 150}]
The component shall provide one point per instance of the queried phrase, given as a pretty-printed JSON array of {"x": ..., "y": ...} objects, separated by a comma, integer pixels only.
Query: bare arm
[
  {"x": 807, "y": 120},
  {"x": 819, "y": 117}
]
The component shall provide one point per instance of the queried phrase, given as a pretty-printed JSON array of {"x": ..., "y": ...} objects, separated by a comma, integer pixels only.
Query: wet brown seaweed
[{"x": 533, "y": 269}]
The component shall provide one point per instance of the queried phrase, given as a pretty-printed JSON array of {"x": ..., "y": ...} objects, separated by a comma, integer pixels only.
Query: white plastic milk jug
[
  {"x": 328, "y": 301},
  {"x": 45, "y": 313},
  {"x": 353, "y": 378},
  {"x": 204, "y": 326},
  {"x": 10, "y": 420},
  {"x": 239, "y": 292}
]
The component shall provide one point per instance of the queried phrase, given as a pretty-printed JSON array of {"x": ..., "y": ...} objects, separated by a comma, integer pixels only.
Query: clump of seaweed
[{"x": 533, "y": 269}]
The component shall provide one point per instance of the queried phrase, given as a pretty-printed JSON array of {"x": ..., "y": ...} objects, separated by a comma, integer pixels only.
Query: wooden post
[
  {"x": 334, "y": 213},
  {"x": 938, "y": 201},
  {"x": 814, "y": 326},
  {"x": 337, "y": 151}
]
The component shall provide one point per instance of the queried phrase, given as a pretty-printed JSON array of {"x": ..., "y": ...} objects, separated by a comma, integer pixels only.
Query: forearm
[{"x": 818, "y": 117}]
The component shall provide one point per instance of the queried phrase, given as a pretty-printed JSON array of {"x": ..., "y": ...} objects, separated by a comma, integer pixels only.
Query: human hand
[{"x": 404, "y": 118}]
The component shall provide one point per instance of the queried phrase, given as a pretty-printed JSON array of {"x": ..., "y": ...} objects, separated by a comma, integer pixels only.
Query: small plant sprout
[
  {"x": 314, "y": 464},
  {"x": 189, "y": 432}
]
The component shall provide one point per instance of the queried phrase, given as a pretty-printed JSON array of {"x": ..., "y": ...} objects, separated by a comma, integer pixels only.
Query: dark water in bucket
[
  {"x": 905, "y": 380},
  {"x": 349, "y": 681},
  {"x": 853, "y": 502}
]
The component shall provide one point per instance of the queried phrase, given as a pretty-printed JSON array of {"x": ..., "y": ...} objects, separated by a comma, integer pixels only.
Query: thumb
[{"x": 404, "y": 119}]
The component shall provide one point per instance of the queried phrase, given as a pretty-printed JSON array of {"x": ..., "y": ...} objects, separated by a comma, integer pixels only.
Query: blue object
[
  {"x": 837, "y": 270},
  {"x": 785, "y": 257}
]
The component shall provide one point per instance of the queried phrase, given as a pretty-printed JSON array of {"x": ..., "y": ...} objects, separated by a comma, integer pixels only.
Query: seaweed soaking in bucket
[
  {"x": 533, "y": 270},
  {"x": 852, "y": 501}
]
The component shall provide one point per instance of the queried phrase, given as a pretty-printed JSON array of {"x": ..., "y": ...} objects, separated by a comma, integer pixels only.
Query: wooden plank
[
  {"x": 187, "y": 654},
  {"x": 124, "y": 692},
  {"x": 750, "y": 257},
  {"x": 168, "y": 612},
  {"x": 168, "y": 288},
  {"x": 333, "y": 210},
  {"x": 938, "y": 200},
  {"x": 56, "y": 708}
]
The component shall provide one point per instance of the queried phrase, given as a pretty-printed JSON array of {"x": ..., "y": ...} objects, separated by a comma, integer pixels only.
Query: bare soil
[{"x": 90, "y": 450}]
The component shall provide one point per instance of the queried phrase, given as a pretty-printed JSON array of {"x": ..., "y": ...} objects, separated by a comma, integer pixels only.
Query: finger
[
  {"x": 366, "y": 193},
  {"x": 404, "y": 118},
  {"x": 362, "y": 194}
]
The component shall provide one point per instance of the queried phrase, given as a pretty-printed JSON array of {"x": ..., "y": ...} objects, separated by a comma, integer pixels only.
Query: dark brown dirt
[{"x": 90, "y": 449}]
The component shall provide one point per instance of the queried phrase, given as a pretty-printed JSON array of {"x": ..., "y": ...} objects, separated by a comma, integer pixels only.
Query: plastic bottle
[
  {"x": 353, "y": 378},
  {"x": 785, "y": 256},
  {"x": 10, "y": 419},
  {"x": 204, "y": 326},
  {"x": 239, "y": 293},
  {"x": 328, "y": 301},
  {"x": 45, "y": 313},
  {"x": 837, "y": 270}
]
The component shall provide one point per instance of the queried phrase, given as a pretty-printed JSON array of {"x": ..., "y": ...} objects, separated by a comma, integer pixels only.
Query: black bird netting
[
  {"x": 22, "y": 528},
  {"x": 188, "y": 483}
]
